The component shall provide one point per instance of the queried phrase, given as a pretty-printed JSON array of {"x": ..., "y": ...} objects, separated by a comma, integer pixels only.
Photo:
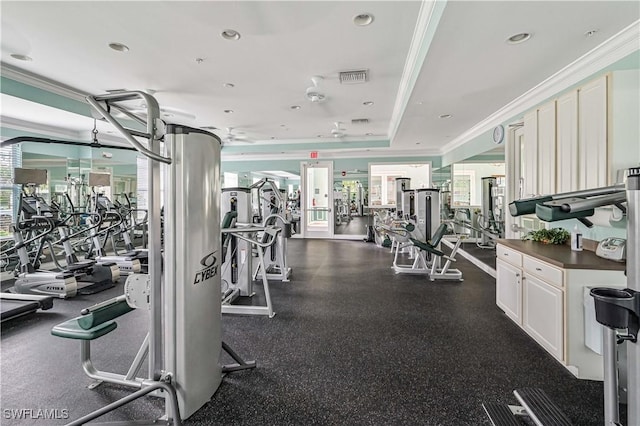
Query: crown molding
[
  {"x": 40, "y": 82},
  {"x": 608, "y": 52},
  {"x": 426, "y": 25}
]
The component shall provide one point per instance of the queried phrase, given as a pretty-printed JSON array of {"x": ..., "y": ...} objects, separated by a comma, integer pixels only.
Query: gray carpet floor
[{"x": 352, "y": 344}]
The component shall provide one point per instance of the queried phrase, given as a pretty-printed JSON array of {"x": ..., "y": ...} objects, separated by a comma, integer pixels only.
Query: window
[{"x": 10, "y": 158}]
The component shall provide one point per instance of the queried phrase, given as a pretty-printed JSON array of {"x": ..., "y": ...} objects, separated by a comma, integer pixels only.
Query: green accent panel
[
  {"x": 293, "y": 166},
  {"x": 474, "y": 147},
  {"x": 34, "y": 94},
  {"x": 49, "y": 149},
  {"x": 319, "y": 145}
]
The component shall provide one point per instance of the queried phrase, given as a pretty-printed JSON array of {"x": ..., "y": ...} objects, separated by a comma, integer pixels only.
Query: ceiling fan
[
  {"x": 313, "y": 93},
  {"x": 338, "y": 132},
  {"x": 230, "y": 136}
]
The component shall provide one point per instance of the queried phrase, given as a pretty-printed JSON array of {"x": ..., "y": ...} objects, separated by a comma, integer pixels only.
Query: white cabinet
[
  {"x": 547, "y": 148},
  {"x": 548, "y": 303},
  {"x": 592, "y": 134},
  {"x": 509, "y": 290},
  {"x": 567, "y": 143},
  {"x": 529, "y": 154},
  {"x": 543, "y": 317}
]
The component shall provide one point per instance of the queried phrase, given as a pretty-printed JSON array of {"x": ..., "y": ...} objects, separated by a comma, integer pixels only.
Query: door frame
[{"x": 304, "y": 197}]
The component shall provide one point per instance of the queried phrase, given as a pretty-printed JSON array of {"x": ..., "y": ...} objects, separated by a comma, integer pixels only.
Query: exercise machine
[
  {"x": 402, "y": 183},
  {"x": 29, "y": 278},
  {"x": 17, "y": 305},
  {"x": 103, "y": 208},
  {"x": 271, "y": 212},
  {"x": 237, "y": 268},
  {"x": 491, "y": 216},
  {"x": 185, "y": 335},
  {"x": 617, "y": 309}
]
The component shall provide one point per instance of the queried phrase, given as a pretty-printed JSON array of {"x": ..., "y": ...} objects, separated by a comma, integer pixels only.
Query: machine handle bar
[{"x": 153, "y": 111}]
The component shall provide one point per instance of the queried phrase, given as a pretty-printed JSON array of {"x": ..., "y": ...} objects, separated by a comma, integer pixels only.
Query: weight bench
[
  {"x": 437, "y": 272},
  {"x": 97, "y": 321}
]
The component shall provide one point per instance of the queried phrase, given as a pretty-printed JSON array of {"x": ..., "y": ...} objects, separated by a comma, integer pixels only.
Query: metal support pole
[
  {"x": 611, "y": 410},
  {"x": 633, "y": 282}
]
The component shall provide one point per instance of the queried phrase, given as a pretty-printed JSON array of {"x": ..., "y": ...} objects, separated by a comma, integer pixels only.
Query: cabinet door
[
  {"x": 592, "y": 134},
  {"x": 547, "y": 148},
  {"x": 509, "y": 290},
  {"x": 530, "y": 155},
  {"x": 567, "y": 143},
  {"x": 542, "y": 314}
]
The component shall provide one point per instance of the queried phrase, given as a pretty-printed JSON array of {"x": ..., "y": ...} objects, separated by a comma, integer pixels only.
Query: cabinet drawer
[
  {"x": 508, "y": 255},
  {"x": 546, "y": 272}
]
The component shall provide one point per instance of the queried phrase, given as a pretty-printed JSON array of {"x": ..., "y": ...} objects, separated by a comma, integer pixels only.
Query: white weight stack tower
[
  {"x": 192, "y": 265},
  {"x": 427, "y": 211},
  {"x": 237, "y": 269}
]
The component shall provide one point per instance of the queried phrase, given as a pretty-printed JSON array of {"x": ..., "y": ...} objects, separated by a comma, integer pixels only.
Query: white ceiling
[{"x": 469, "y": 71}]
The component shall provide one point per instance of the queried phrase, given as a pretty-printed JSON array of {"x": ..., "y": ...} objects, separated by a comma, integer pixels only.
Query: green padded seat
[
  {"x": 430, "y": 246},
  {"x": 71, "y": 330},
  {"x": 410, "y": 227}
]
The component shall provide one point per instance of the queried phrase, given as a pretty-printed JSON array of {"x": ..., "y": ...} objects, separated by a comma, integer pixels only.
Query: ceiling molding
[
  {"x": 28, "y": 78},
  {"x": 323, "y": 155},
  {"x": 44, "y": 129},
  {"x": 608, "y": 52},
  {"x": 426, "y": 25}
]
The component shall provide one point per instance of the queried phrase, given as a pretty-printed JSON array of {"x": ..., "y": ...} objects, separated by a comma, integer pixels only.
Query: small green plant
[{"x": 548, "y": 236}]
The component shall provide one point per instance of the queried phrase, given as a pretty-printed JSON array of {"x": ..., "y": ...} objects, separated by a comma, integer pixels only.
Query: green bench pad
[
  {"x": 103, "y": 314},
  {"x": 426, "y": 247},
  {"x": 71, "y": 330}
]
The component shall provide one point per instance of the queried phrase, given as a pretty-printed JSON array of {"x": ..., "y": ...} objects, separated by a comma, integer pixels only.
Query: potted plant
[{"x": 548, "y": 236}]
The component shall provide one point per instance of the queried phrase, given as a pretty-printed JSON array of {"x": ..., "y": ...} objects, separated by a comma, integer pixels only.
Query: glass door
[{"x": 317, "y": 199}]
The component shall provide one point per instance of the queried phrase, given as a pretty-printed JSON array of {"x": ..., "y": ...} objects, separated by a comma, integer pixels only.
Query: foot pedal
[
  {"x": 540, "y": 408},
  {"x": 500, "y": 415}
]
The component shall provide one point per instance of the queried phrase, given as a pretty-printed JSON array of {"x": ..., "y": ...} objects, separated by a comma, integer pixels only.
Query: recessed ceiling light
[
  {"x": 367, "y": 103},
  {"x": 369, "y": 134},
  {"x": 590, "y": 33},
  {"x": 320, "y": 136},
  {"x": 119, "y": 47},
  {"x": 519, "y": 38},
  {"x": 230, "y": 35},
  {"x": 228, "y": 111},
  {"x": 229, "y": 85},
  {"x": 283, "y": 125},
  {"x": 21, "y": 57},
  {"x": 417, "y": 143},
  {"x": 445, "y": 116},
  {"x": 363, "y": 19},
  {"x": 295, "y": 107},
  {"x": 419, "y": 102},
  {"x": 199, "y": 60}
]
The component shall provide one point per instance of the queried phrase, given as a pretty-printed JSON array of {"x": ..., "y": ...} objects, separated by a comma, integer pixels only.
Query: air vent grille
[
  {"x": 354, "y": 76},
  {"x": 360, "y": 121}
]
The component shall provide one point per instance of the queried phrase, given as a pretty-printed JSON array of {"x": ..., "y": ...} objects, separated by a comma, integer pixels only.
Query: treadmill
[{"x": 17, "y": 305}]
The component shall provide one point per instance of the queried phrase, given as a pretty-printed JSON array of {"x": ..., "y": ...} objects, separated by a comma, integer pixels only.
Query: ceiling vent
[
  {"x": 354, "y": 77},
  {"x": 360, "y": 121}
]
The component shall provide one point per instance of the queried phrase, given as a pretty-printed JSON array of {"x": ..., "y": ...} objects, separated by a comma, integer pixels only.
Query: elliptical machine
[
  {"x": 29, "y": 279},
  {"x": 105, "y": 211}
]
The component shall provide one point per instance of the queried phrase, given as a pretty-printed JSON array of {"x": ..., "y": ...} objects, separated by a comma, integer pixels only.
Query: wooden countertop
[{"x": 562, "y": 256}]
